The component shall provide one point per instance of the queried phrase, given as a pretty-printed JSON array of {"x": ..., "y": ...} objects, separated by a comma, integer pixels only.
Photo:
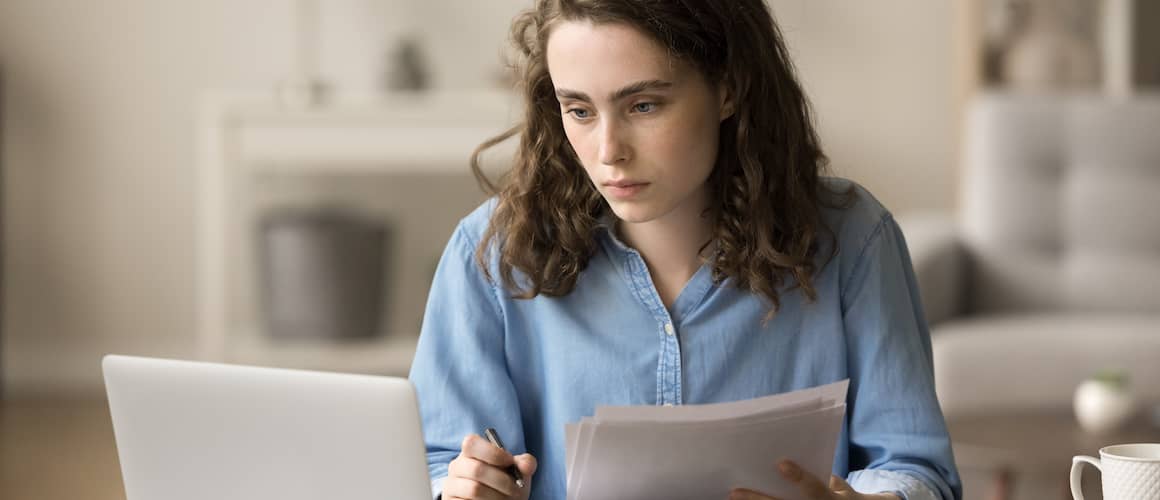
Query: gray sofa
[{"x": 1050, "y": 270}]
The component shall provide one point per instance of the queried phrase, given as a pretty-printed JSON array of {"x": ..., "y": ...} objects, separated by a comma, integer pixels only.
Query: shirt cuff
[
  {"x": 437, "y": 488},
  {"x": 907, "y": 487}
]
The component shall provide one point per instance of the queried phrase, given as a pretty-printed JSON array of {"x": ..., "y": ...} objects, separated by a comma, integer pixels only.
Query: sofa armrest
[{"x": 939, "y": 261}]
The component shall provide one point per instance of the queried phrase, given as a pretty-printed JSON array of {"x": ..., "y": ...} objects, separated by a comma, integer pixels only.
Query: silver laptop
[{"x": 192, "y": 430}]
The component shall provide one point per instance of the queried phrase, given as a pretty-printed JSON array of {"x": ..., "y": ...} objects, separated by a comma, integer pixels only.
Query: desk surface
[
  {"x": 1028, "y": 455},
  {"x": 1036, "y": 440},
  {"x": 52, "y": 449}
]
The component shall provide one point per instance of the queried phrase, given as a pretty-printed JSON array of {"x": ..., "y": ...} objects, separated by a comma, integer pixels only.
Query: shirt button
[{"x": 669, "y": 329}]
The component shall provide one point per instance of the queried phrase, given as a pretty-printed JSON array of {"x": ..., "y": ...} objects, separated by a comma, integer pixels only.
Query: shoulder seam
[
  {"x": 860, "y": 261},
  {"x": 472, "y": 247}
]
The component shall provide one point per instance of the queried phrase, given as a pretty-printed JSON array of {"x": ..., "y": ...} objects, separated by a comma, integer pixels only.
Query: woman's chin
[{"x": 630, "y": 212}]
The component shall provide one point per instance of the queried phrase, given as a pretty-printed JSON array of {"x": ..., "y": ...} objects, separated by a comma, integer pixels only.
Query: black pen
[{"x": 512, "y": 471}]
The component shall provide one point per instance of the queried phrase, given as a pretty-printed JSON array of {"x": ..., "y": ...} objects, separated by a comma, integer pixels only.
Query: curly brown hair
[{"x": 766, "y": 192}]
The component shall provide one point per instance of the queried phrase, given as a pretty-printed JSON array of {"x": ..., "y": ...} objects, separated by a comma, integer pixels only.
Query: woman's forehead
[{"x": 592, "y": 57}]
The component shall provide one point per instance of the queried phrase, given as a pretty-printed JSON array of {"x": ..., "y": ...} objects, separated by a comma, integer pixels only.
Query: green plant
[{"x": 1117, "y": 379}]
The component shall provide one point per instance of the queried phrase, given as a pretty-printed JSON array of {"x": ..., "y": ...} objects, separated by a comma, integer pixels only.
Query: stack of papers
[{"x": 704, "y": 451}]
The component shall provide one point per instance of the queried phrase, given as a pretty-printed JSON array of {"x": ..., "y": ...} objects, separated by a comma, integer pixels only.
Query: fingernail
[{"x": 789, "y": 470}]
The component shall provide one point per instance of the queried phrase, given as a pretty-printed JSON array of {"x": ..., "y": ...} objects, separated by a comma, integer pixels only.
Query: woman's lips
[{"x": 624, "y": 189}]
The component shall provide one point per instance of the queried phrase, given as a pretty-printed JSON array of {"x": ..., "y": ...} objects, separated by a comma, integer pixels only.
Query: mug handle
[{"x": 1077, "y": 471}]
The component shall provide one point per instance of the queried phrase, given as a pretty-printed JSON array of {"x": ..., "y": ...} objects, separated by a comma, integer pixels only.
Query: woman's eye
[
  {"x": 579, "y": 113},
  {"x": 644, "y": 107}
]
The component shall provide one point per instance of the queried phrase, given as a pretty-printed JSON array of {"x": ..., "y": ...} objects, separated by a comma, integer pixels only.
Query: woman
[{"x": 665, "y": 237}]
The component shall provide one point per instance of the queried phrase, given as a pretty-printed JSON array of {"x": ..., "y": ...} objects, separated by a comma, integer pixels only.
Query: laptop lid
[{"x": 193, "y": 430}]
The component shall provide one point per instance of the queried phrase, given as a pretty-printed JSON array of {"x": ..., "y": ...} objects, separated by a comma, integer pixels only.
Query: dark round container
[{"x": 321, "y": 274}]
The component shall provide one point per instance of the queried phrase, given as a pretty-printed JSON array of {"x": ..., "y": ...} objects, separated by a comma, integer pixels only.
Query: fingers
[
  {"x": 479, "y": 477},
  {"x": 480, "y": 449},
  {"x": 811, "y": 487},
  {"x": 466, "y": 489},
  {"x": 744, "y": 494},
  {"x": 527, "y": 464},
  {"x": 839, "y": 485},
  {"x": 480, "y": 471}
]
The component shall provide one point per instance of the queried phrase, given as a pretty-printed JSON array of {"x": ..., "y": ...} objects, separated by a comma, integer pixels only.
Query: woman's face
[{"x": 644, "y": 125}]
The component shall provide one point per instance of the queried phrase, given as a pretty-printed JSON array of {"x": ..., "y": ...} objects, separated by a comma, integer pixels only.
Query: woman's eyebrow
[{"x": 627, "y": 90}]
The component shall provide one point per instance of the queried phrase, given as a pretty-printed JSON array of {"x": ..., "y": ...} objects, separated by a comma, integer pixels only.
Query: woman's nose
[{"x": 613, "y": 145}]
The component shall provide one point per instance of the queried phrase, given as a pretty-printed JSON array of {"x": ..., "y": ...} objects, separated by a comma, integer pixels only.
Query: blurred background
[{"x": 272, "y": 182}]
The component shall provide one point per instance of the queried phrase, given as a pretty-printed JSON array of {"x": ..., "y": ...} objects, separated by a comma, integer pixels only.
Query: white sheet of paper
[
  {"x": 580, "y": 442},
  {"x": 581, "y": 432},
  {"x": 570, "y": 432},
  {"x": 703, "y": 451},
  {"x": 786, "y": 403},
  {"x": 641, "y": 460}
]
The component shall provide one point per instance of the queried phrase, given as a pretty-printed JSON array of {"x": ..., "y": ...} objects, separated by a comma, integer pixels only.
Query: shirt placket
[{"x": 669, "y": 359}]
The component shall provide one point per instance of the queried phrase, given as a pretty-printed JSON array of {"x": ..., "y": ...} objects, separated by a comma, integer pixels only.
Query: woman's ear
[{"x": 727, "y": 102}]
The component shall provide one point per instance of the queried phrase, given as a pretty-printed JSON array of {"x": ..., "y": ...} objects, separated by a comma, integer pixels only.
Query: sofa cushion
[
  {"x": 1058, "y": 193},
  {"x": 1001, "y": 363}
]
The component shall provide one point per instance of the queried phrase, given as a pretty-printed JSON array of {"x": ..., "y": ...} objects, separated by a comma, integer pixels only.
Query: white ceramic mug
[{"x": 1128, "y": 472}]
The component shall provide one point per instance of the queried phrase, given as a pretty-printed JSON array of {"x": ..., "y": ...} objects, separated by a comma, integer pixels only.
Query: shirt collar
[{"x": 606, "y": 231}]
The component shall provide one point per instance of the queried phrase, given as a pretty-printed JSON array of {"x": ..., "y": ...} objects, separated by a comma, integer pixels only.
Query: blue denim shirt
[{"x": 527, "y": 367}]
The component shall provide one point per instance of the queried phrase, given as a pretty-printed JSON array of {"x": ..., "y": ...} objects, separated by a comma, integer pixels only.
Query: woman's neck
[{"x": 671, "y": 246}]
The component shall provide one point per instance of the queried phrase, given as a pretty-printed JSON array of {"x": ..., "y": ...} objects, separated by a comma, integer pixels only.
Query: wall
[
  {"x": 99, "y": 147},
  {"x": 880, "y": 76}
]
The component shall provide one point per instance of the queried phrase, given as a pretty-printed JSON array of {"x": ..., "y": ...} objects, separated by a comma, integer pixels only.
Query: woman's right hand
[{"x": 480, "y": 473}]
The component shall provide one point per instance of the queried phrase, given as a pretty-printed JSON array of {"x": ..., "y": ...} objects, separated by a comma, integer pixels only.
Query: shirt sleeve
[
  {"x": 460, "y": 370},
  {"x": 897, "y": 435}
]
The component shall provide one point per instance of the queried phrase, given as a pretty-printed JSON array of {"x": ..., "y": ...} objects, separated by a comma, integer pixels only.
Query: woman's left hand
[{"x": 812, "y": 487}]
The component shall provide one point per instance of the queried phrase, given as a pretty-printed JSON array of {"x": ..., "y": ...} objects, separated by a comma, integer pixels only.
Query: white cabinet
[{"x": 244, "y": 138}]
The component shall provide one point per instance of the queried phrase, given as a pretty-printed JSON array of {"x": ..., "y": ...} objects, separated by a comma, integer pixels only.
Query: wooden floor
[{"x": 58, "y": 449}]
